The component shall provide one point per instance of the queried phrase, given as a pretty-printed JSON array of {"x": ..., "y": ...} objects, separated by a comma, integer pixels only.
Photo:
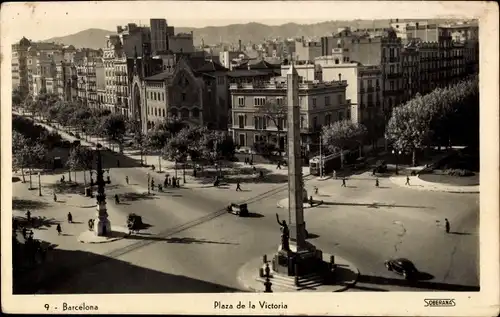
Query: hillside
[
  {"x": 90, "y": 38},
  {"x": 250, "y": 32}
]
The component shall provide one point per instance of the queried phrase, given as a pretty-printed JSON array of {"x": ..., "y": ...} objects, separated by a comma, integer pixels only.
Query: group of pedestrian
[
  {"x": 171, "y": 182},
  {"x": 248, "y": 161}
]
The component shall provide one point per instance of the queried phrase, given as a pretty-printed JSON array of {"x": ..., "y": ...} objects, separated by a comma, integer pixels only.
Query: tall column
[
  {"x": 295, "y": 185},
  {"x": 102, "y": 226}
]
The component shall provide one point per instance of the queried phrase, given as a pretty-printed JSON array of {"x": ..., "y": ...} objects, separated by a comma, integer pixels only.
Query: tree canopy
[{"x": 341, "y": 135}]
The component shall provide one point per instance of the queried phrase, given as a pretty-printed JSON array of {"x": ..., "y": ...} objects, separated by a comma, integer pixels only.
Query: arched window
[
  {"x": 174, "y": 112},
  {"x": 336, "y": 61},
  {"x": 184, "y": 113}
]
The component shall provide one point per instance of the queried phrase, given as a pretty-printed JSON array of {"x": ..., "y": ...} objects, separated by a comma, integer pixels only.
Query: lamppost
[
  {"x": 149, "y": 180},
  {"x": 39, "y": 185},
  {"x": 31, "y": 183},
  {"x": 397, "y": 153},
  {"x": 103, "y": 226}
]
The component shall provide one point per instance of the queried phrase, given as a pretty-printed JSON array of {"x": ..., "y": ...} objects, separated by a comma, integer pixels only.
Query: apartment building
[
  {"x": 306, "y": 50},
  {"x": 185, "y": 93},
  {"x": 320, "y": 103}
]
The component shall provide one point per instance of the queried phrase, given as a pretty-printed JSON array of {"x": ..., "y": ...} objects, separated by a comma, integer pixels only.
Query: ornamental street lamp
[
  {"x": 397, "y": 153},
  {"x": 39, "y": 185},
  {"x": 103, "y": 227}
]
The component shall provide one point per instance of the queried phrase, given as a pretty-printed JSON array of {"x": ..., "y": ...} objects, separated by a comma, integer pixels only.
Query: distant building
[
  {"x": 320, "y": 103},
  {"x": 306, "y": 50}
]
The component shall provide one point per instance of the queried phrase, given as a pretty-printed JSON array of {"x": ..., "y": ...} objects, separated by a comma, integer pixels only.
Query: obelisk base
[
  {"x": 102, "y": 225},
  {"x": 299, "y": 263}
]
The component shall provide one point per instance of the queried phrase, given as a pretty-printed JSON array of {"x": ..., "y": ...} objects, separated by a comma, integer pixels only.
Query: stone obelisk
[{"x": 295, "y": 181}]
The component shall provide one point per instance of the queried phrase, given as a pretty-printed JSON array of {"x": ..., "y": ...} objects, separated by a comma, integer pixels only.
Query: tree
[
  {"x": 342, "y": 135},
  {"x": 78, "y": 158},
  {"x": 408, "y": 127},
  {"x": 157, "y": 139},
  {"x": 113, "y": 127},
  {"x": 277, "y": 114},
  {"x": 26, "y": 154}
]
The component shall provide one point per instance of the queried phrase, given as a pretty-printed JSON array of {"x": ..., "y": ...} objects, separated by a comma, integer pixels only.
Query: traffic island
[
  {"x": 117, "y": 233},
  {"x": 283, "y": 203},
  {"x": 343, "y": 275}
]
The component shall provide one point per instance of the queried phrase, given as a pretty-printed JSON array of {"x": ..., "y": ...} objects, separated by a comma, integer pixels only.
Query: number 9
[{"x": 46, "y": 306}]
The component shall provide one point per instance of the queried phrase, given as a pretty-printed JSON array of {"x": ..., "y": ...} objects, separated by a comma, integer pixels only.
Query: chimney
[
  {"x": 239, "y": 45},
  {"x": 340, "y": 77}
]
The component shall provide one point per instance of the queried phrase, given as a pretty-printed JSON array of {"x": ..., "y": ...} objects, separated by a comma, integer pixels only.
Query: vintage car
[
  {"x": 402, "y": 266},
  {"x": 239, "y": 210},
  {"x": 134, "y": 222}
]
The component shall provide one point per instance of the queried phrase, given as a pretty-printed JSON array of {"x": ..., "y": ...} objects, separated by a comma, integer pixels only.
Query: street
[{"x": 192, "y": 239}]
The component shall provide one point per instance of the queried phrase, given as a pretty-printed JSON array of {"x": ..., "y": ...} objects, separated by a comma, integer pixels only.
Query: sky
[{"x": 44, "y": 20}]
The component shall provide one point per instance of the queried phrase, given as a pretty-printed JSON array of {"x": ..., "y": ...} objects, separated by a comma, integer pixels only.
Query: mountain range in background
[{"x": 250, "y": 32}]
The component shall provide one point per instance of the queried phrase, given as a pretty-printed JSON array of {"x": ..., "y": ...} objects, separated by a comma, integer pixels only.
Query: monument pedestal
[
  {"x": 299, "y": 263},
  {"x": 102, "y": 226}
]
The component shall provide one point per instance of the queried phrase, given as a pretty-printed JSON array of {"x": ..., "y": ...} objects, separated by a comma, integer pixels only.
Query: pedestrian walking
[
  {"x": 28, "y": 215},
  {"x": 407, "y": 180},
  {"x": 108, "y": 179},
  {"x": 153, "y": 167},
  {"x": 117, "y": 199},
  {"x": 70, "y": 217},
  {"x": 250, "y": 162},
  {"x": 315, "y": 190},
  {"x": 126, "y": 179},
  {"x": 174, "y": 179},
  {"x": 246, "y": 160},
  {"x": 278, "y": 166},
  {"x": 447, "y": 225},
  {"x": 55, "y": 197},
  {"x": 343, "y": 182},
  {"x": 311, "y": 201},
  {"x": 376, "y": 182},
  {"x": 58, "y": 228},
  {"x": 334, "y": 174},
  {"x": 238, "y": 186},
  {"x": 165, "y": 182},
  {"x": 160, "y": 188}
]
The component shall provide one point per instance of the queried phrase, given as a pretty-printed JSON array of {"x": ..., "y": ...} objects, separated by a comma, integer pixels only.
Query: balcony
[{"x": 394, "y": 75}]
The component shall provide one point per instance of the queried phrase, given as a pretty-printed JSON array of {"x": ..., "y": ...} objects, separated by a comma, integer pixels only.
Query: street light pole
[
  {"x": 39, "y": 185},
  {"x": 31, "y": 183},
  {"x": 149, "y": 190},
  {"x": 320, "y": 157}
]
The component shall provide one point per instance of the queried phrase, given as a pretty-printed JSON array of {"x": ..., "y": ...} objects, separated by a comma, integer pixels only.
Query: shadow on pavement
[
  {"x": 74, "y": 188},
  {"x": 373, "y": 205},
  {"x": 139, "y": 236},
  {"x": 24, "y": 204},
  {"x": 36, "y": 222},
  {"x": 312, "y": 236},
  {"x": 63, "y": 272},
  {"x": 368, "y": 289},
  {"x": 133, "y": 196},
  {"x": 460, "y": 233},
  {"x": 424, "y": 285}
]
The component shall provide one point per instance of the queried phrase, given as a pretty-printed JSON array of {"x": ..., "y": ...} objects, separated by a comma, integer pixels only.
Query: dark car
[{"x": 402, "y": 266}]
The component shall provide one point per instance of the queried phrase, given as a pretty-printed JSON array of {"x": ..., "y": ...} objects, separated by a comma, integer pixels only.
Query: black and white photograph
[{"x": 218, "y": 151}]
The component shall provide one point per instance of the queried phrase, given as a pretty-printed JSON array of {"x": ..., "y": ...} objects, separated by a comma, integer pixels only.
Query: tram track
[{"x": 65, "y": 274}]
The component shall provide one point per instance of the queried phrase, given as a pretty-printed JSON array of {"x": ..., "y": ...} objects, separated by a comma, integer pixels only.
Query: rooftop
[{"x": 250, "y": 72}]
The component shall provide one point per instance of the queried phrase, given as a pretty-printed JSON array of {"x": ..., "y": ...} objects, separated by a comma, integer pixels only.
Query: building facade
[{"x": 320, "y": 103}]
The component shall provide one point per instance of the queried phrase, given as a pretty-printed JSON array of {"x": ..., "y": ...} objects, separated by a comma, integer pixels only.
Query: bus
[{"x": 331, "y": 162}]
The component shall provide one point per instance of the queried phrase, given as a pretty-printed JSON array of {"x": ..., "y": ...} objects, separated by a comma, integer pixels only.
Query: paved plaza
[{"x": 192, "y": 245}]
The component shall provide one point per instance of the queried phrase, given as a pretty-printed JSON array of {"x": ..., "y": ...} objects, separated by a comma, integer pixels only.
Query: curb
[
  {"x": 99, "y": 242},
  {"x": 456, "y": 190}
]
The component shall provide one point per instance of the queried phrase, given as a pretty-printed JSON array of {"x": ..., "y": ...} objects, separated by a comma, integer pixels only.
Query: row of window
[
  {"x": 262, "y": 123},
  {"x": 261, "y": 101},
  {"x": 184, "y": 113},
  {"x": 157, "y": 96}
]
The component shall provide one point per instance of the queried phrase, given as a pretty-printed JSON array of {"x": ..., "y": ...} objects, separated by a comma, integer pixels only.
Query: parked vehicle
[
  {"x": 239, "y": 210},
  {"x": 402, "y": 266}
]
